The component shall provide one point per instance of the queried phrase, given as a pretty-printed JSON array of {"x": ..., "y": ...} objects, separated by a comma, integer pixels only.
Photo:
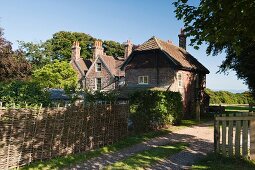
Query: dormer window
[{"x": 98, "y": 67}]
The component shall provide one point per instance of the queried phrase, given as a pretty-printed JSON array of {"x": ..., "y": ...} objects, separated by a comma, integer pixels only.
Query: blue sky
[{"x": 117, "y": 20}]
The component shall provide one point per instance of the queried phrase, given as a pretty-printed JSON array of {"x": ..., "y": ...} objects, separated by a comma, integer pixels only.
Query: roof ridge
[{"x": 156, "y": 39}]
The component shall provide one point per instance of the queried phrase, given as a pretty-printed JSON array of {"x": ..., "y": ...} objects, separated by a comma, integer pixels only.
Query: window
[
  {"x": 179, "y": 78},
  {"x": 98, "y": 84},
  {"x": 143, "y": 80},
  {"x": 98, "y": 67}
]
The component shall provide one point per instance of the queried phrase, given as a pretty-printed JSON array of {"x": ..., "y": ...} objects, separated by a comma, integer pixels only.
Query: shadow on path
[{"x": 199, "y": 139}]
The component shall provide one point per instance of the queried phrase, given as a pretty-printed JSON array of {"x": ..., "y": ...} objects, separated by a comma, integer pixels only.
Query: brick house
[
  {"x": 102, "y": 72},
  {"x": 162, "y": 65}
]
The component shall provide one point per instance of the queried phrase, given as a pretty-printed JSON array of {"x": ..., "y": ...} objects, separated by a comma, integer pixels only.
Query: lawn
[
  {"x": 237, "y": 108},
  {"x": 147, "y": 158},
  {"x": 218, "y": 162}
]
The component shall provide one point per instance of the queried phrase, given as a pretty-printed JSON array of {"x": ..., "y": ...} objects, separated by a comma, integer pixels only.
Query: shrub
[
  {"x": 23, "y": 93},
  {"x": 100, "y": 96},
  {"x": 154, "y": 109}
]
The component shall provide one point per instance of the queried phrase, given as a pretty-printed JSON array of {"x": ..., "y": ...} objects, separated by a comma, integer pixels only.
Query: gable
[
  {"x": 104, "y": 67},
  {"x": 176, "y": 55},
  {"x": 149, "y": 59}
]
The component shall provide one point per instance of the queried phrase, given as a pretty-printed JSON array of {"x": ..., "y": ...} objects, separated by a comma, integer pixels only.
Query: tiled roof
[
  {"x": 82, "y": 66},
  {"x": 176, "y": 54},
  {"x": 113, "y": 64}
]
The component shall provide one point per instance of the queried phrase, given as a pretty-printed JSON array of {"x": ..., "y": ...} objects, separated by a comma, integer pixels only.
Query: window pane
[
  {"x": 145, "y": 79},
  {"x": 179, "y": 76},
  {"x": 99, "y": 86},
  {"x": 180, "y": 83},
  {"x": 140, "y": 79},
  {"x": 98, "y": 67}
]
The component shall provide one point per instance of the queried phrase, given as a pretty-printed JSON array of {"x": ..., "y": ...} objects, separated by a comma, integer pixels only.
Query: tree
[
  {"x": 38, "y": 54},
  {"x": 56, "y": 75},
  {"x": 13, "y": 65},
  {"x": 224, "y": 26},
  {"x": 61, "y": 44},
  {"x": 113, "y": 48},
  {"x": 59, "y": 48}
]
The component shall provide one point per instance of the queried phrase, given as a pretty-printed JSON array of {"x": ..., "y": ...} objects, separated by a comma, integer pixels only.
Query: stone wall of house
[
  {"x": 167, "y": 79},
  {"x": 106, "y": 78}
]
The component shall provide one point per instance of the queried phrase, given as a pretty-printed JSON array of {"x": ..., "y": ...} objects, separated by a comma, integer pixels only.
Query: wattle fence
[{"x": 28, "y": 135}]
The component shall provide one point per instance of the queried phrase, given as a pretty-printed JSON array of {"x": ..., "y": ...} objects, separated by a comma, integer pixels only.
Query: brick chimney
[
  {"x": 128, "y": 48},
  {"x": 76, "y": 49},
  {"x": 182, "y": 39},
  {"x": 98, "y": 49}
]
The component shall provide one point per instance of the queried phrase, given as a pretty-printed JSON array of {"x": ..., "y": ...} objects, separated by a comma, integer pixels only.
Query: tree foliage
[
  {"x": 113, "y": 48},
  {"x": 38, "y": 54},
  {"x": 13, "y": 64},
  {"x": 219, "y": 97},
  {"x": 59, "y": 48},
  {"x": 23, "y": 93},
  {"x": 225, "y": 26},
  {"x": 56, "y": 75},
  {"x": 61, "y": 43}
]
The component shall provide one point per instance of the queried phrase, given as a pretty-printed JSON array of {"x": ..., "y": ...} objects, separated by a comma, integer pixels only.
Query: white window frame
[
  {"x": 180, "y": 81},
  {"x": 96, "y": 81},
  {"x": 96, "y": 67},
  {"x": 143, "y": 79}
]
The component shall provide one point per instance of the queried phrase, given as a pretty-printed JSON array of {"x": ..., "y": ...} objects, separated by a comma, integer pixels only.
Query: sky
[{"x": 118, "y": 20}]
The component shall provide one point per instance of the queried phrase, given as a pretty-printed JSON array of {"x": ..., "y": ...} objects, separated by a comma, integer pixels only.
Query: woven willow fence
[{"x": 29, "y": 135}]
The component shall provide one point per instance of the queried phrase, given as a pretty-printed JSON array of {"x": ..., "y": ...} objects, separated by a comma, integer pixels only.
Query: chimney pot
[
  {"x": 98, "y": 49},
  {"x": 128, "y": 48},
  {"x": 182, "y": 39},
  {"x": 76, "y": 50},
  {"x": 170, "y": 42}
]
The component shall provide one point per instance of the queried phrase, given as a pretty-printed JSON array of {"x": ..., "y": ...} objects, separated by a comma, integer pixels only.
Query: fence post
[
  {"x": 252, "y": 139},
  {"x": 250, "y": 107},
  {"x": 230, "y": 136},
  {"x": 216, "y": 135},
  {"x": 224, "y": 136},
  {"x": 237, "y": 137},
  {"x": 245, "y": 137}
]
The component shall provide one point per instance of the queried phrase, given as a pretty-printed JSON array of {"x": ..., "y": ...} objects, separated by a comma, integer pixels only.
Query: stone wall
[
  {"x": 166, "y": 79},
  {"x": 104, "y": 74}
]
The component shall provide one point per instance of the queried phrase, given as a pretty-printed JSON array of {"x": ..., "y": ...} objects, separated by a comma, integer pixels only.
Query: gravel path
[{"x": 200, "y": 139}]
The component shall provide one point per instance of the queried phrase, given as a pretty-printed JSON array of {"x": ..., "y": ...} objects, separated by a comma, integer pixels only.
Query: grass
[
  {"x": 149, "y": 157},
  {"x": 238, "y": 108},
  {"x": 216, "y": 162}
]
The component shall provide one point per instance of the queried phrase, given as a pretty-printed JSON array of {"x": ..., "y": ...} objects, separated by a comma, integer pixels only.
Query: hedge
[{"x": 154, "y": 109}]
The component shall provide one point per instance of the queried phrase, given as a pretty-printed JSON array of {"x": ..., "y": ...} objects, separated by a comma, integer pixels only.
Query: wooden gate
[{"x": 234, "y": 135}]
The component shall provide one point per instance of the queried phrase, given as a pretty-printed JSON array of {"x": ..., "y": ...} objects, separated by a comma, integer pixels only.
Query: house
[
  {"x": 157, "y": 64},
  {"x": 102, "y": 72}
]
